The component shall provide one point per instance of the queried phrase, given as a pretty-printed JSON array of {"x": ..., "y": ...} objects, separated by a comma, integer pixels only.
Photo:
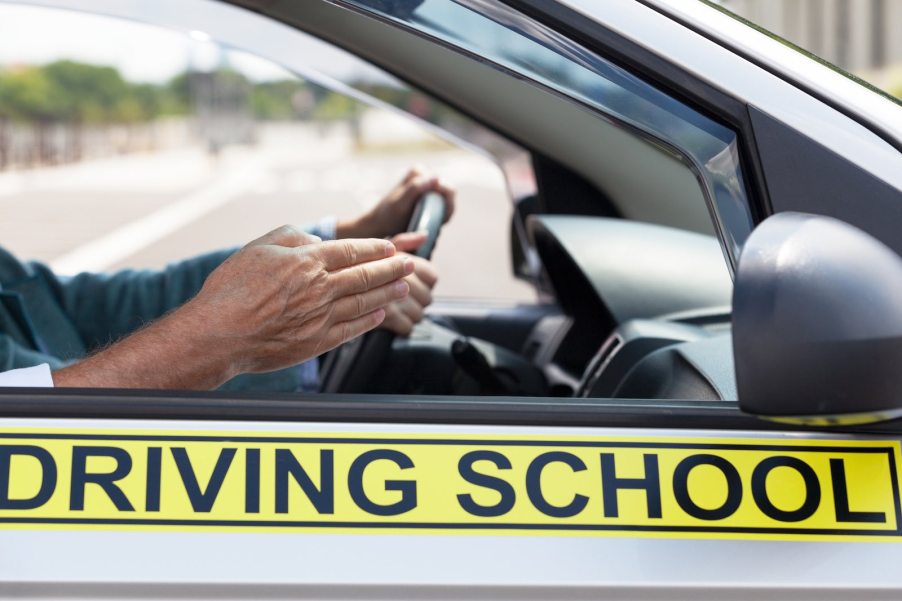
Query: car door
[{"x": 113, "y": 493}]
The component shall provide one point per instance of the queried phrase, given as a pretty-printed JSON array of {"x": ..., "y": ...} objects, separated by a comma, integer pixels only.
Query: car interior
[
  {"x": 618, "y": 238},
  {"x": 637, "y": 288}
]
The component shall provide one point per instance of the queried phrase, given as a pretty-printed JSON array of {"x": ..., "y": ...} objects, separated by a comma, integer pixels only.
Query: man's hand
[
  {"x": 392, "y": 215},
  {"x": 402, "y": 315},
  {"x": 282, "y": 299}
]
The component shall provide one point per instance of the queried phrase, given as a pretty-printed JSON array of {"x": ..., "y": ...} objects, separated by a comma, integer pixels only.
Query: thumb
[{"x": 409, "y": 241}]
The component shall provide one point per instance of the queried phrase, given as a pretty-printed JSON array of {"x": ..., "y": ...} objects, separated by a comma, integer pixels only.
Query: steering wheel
[{"x": 353, "y": 365}]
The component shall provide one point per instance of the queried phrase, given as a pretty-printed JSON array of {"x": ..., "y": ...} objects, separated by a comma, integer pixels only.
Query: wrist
[
  {"x": 214, "y": 351},
  {"x": 351, "y": 228},
  {"x": 365, "y": 226}
]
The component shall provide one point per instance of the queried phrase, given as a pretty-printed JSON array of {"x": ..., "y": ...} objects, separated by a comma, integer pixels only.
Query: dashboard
[{"x": 641, "y": 311}]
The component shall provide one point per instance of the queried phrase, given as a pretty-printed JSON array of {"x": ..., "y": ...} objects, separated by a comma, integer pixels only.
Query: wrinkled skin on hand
[{"x": 288, "y": 297}]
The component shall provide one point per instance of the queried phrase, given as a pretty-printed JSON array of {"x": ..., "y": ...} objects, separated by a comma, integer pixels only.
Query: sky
[{"x": 143, "y": 53}]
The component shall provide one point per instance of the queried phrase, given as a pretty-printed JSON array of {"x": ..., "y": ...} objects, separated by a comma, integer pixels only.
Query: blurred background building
[{"x": 861, "y": 36}]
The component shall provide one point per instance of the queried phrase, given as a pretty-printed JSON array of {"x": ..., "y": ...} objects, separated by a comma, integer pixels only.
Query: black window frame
[{"x": 544, "y": 412}]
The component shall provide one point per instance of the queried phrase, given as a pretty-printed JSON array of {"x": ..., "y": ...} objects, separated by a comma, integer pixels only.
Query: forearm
[
  {"x": 281, "y": 300},
  {"x": 177, "y": 352},
  {"x": 355, "y": 228}
]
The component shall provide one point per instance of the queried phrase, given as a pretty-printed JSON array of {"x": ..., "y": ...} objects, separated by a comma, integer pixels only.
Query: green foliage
[
  {"x": 277, "y": 100},
  {"x": 179, "y": 90},
  {"x": 88, "y": 93},
  {"x": 72, "y": 92},
  {"x": 28, "y": 95},
  {"x": 335, "y": 106}
]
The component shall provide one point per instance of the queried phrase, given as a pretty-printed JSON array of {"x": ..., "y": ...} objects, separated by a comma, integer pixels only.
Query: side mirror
[{"x": 817, "y": 323}]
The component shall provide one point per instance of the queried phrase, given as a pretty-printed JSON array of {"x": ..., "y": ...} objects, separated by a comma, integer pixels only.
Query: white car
[{"x": 701, "y": 406}]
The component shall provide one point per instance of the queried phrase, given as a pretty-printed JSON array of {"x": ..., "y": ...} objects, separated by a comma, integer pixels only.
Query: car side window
[
  {"x": 516, "y": 43},
  {"x": 134, "y": 146}
]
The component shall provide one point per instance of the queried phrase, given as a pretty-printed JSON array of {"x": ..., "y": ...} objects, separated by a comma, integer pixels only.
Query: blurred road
[{"x": 147, "y": 210}]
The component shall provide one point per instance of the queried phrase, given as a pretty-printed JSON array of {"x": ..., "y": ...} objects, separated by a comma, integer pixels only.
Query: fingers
[
  {"x": 397, "y": 321},
  {"x": 287, "y": 235},
  {"x": 448, "y": 193},
  {"x": 341, "y": 332},
  {"x": 355, "y": 305},
  {"x": 409, "y": 241},
  {"x": 425, "y": 271},
  {"x": 338, "y": 254},
  {"x": 413, "y": 173},
  {"x": 418, "y": 184},
  {"x": 360, "y": 278},
  {"x": 410, "y": 308}
]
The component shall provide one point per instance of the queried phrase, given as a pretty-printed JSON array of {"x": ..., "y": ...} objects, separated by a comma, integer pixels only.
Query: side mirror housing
[{"x": 817, "y": 323}]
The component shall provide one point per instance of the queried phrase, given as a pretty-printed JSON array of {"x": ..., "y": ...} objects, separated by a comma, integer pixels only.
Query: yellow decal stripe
[{"x": 684, "y": 488}]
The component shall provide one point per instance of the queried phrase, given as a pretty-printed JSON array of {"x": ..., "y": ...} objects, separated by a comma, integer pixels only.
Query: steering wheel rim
[{"x": 353, "y": 365}]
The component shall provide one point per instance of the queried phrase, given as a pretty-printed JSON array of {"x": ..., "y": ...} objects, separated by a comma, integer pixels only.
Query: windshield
[{"x": 855, "y": 38}]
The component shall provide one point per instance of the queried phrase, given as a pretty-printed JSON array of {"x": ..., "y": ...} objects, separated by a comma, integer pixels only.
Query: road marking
[{"x": 141, "y": 233}]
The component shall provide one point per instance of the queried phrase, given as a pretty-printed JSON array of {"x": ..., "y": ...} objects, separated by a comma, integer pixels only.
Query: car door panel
[
  {"x": 150, "y": 494},
  {"x": 346, "y": 550}
]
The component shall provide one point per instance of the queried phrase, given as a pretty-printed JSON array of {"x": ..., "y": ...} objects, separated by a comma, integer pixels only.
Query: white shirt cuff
[
  {"x": 28, "y": 377},
  {"x": 326, "y": 228}
]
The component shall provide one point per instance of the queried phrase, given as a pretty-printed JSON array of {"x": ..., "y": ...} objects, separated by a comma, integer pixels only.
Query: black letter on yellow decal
[
  {"x": 610, "y": 484},
  {"x": 48, "y": 476},
  {"x": 80, "y": 477},
  {"x": 252, "y": 481},
  {"x": 508, "y": 496},
  {"x": 812, "y": 489},
  {"x": 681, "y": 487},
  {"x": 323, "y": 499},
  {"x": 841, "y": 498},
  {"x": 408, "y": 488},
  {"x": 152, "y": 490},
  {"x": 202, "y": 500},
  {"x": 534, "y": 484}
]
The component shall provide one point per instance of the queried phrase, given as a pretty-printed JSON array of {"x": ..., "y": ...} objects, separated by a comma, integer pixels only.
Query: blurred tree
[
  {"x": 90, "y": 93},
  {"x": 28, "y": 95},
  {"x": 72, "y": 92},
  {"x": 333, "y": 106},
  {"x": 179, "y": 89},
  {"x": 275, "y": 100},
  {"x": 158, "y": 101}
]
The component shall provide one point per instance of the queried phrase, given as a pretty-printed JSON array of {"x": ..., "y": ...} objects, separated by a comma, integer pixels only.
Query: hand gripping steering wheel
[{"x": 352, "y": 367}]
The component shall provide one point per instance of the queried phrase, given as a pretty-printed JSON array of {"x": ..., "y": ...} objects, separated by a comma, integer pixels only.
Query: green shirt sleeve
[
  {"x": 106, "y": 307},
  {"x": 13, "y": 356}
]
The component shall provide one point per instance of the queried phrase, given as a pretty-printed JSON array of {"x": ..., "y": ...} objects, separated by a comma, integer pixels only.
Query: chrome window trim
[{"x": 873, "y": 109}]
